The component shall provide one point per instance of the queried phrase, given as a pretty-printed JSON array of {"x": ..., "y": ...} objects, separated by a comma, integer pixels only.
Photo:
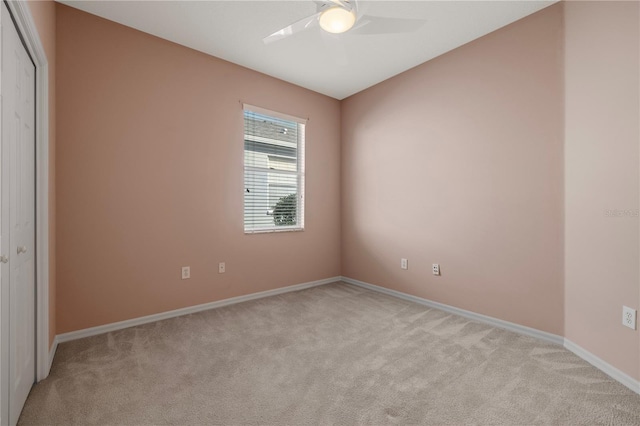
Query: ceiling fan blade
[
  {"x": 296, "y": 27},
  {"x": 323, "y": 4},
  {"x": 354, "y": 6},
  {"x": 368, "y": 24}
]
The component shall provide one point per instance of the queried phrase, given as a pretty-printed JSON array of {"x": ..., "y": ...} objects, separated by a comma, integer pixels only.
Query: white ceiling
[{"x": 335, "y": 65}]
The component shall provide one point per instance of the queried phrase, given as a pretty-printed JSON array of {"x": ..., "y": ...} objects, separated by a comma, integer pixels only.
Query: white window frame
[{"x": 300, "y": 172}]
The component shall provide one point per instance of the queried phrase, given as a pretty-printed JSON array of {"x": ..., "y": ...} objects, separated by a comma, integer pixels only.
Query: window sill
[{"x": 273, "y": 231}]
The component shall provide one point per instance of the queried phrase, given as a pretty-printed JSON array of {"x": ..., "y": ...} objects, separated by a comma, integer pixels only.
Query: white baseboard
[
  {"x": 517, "y": 328},
  {"x": 603, "y": 366},
  {"x": 52, "y": 353},
  {"x": 79, "y": 334}
]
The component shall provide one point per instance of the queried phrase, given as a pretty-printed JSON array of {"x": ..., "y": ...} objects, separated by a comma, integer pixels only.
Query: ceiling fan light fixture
[{"x": 337, "y": 20}]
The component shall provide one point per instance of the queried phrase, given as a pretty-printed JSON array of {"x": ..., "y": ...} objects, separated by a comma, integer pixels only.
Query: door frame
[{"x": 27, "y": 30}]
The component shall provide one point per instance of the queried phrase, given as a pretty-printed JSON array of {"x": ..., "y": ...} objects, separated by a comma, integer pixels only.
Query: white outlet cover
[
  {"x": 186, "y": 272},
  {"x": 436, "y": 269},
  {"x": 404, "y": 264},
  {"x": 629, "y": 317}
]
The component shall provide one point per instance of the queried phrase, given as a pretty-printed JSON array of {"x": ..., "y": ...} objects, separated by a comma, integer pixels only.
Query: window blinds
[{"x": 273, "y": 171}]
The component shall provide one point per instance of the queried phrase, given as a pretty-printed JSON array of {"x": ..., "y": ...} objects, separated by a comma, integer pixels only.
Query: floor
[{"x": 333, "y": 354}]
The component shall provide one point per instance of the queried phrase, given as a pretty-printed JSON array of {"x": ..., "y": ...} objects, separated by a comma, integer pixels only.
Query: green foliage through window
[{"x": 284, "y": 214}]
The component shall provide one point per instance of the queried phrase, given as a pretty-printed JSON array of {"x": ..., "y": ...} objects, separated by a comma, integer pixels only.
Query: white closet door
[{"x": 18, "y": 212}]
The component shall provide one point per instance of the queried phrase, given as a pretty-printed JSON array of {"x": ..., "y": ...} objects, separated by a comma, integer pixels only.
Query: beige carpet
[{"x": 335, "y": 354}]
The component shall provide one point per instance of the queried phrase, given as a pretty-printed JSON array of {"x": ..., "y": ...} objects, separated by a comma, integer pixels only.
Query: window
[{"x": 273, "y": 171}]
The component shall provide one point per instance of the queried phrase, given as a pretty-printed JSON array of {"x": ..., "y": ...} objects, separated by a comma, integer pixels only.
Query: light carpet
[{"x": 334, "y": 354}]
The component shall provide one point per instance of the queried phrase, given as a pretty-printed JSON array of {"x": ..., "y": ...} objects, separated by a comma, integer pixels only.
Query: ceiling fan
[{"x": 339, "y": 16}]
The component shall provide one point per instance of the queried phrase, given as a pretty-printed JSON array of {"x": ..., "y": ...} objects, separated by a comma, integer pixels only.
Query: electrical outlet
[
  {"x": 629, "y": 317},
  {"x": 186, "y": 272},
  {"x": 404, "y": 264},
  {"x": 221, "y": 268},
  {"x": 436, "y": 269}
]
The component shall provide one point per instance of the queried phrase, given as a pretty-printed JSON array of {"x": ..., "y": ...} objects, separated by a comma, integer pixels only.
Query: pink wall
[
  {"x": 602, "y": 173},
  {"x": 459, "y": 161},
  {"x": 150, "y": 178},
  {"x": 44, "y": 16}
]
